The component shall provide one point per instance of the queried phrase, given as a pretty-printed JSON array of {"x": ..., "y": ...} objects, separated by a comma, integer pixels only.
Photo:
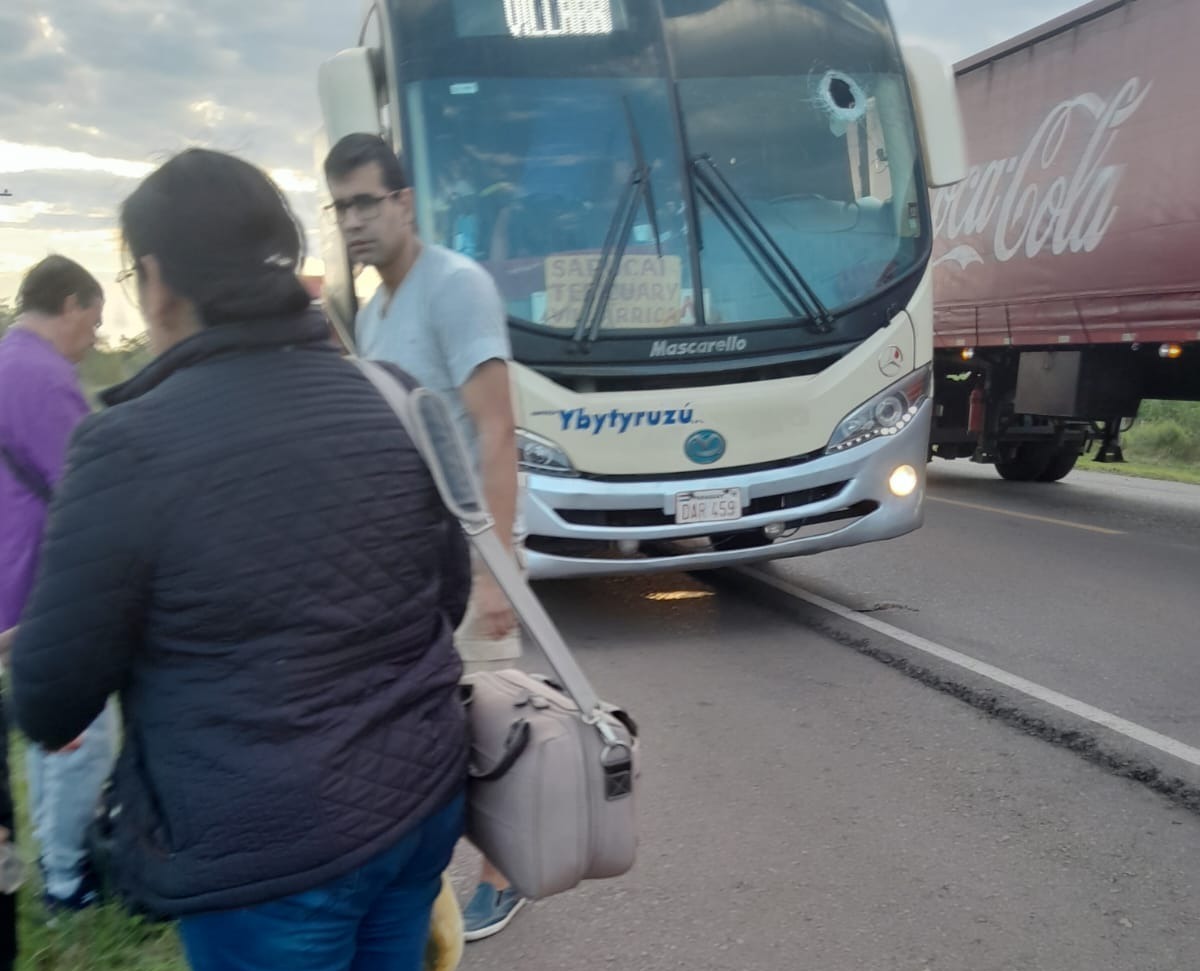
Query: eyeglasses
[{"x": 366, "y": 206}]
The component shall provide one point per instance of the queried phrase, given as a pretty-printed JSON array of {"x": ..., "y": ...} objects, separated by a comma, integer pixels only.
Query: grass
[
  {"x": 1143, "y": 470},
  {"x": 1164, "y": 443},
  {"x": 101, "y": 939}
]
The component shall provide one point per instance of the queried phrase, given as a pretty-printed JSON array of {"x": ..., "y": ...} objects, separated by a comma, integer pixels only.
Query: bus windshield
[{"x": 800, "y": 111}]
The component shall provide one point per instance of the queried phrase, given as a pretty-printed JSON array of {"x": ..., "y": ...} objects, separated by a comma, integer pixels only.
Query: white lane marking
[
  {"x": 1026, "y": 515},
  {"x": 1080, "y": 709}
]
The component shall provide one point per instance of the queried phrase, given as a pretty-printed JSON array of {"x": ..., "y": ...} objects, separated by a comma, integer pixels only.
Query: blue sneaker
[{"x": 490, "y": 911}]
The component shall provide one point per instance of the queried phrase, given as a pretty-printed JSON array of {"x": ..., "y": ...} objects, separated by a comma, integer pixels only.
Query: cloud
[
  {"x": 16, "y": 33},
  {"x": 152, "y": 76},
  {"x": 27, "y": 213},
  {"x": 94, "y": 95},
  {"x": 16, "y": 158},
  {"x": 293, "y": 182},
  {"x": 56, "y": 197}
]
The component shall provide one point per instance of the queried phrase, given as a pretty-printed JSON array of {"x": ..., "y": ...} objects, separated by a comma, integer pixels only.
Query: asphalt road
[
  {"x": 806, "y": 807},
  {"x": 1090, "y": 586}
]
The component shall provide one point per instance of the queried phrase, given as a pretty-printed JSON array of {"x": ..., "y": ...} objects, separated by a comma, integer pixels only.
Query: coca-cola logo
[{"x": 1023, "y": 205}]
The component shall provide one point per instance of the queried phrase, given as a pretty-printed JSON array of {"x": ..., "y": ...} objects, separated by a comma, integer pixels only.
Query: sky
[{"x": 95, "y": 93}]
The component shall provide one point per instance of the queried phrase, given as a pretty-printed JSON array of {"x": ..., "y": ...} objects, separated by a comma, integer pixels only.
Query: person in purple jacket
[{"x": 59, "y": 308}]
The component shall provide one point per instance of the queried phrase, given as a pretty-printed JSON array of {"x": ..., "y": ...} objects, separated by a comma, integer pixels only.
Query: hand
[{"x": 496, "y": 618}]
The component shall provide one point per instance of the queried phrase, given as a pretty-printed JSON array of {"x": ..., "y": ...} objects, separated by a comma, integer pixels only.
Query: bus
[{"x": 709, "y": 220}]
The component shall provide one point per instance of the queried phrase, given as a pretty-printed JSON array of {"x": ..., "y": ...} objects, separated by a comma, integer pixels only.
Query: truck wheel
[
  {"x": 1060, "y": 465},
  {"x": 1027, "y": 465}
]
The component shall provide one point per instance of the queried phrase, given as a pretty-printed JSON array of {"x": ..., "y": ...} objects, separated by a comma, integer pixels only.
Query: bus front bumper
[{"x": 580, "y": 527}]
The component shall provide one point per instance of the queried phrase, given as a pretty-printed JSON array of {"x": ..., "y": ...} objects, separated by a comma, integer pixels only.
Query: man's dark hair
[
  {"x": 354, "y": 151},
  {"x": 46, "y": 286},
  {"x": 223, "y": 235}
]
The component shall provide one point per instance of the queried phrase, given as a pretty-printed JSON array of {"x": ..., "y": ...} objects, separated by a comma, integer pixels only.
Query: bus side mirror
[
  {"x": 349, "y": 94},
  {"x": 943, "y": 138},
  {"x": 348, "y": 90}
]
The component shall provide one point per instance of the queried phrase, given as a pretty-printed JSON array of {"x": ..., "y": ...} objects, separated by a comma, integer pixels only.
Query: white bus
[{"x": 709, "y": 220}]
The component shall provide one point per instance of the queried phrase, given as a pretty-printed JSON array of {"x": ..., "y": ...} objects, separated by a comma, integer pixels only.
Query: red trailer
[{"x": 1067, "y": 265}]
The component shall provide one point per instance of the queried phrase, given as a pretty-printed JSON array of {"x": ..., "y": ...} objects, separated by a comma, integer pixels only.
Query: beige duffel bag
[{"x": 551, "y": 794}]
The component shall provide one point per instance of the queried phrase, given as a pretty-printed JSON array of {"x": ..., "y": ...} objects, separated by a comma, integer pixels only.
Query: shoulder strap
[
  {"x": 30, "y": 478},
  {"x": 431, "y": 426}
]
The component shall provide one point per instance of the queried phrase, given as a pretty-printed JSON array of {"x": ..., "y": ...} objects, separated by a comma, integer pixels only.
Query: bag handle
[
  {"x": 514, "y": 746},
  {"x": 429, "y": 423}
]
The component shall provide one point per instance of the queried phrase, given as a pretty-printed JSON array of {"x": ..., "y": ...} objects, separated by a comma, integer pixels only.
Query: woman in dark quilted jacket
[{"x": 248, "y": 550}]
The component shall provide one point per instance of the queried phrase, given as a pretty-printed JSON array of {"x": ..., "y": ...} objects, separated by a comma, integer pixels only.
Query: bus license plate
[{"x": 715, "y": 506}]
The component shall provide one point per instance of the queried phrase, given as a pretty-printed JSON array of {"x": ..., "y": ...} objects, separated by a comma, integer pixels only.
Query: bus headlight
[
  {"x": 886, "y": 414},
  {"x": 537, "y": 454}
]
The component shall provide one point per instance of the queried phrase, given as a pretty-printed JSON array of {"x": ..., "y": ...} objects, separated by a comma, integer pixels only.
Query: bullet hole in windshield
[
  {"x": 841, "y": 93},
  {"x": 842, "y": 99}
]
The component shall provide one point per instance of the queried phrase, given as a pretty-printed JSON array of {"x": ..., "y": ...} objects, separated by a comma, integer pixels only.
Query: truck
[
  {"x": 1067, "y": 263},
  {"x": 710, "y": 223}
]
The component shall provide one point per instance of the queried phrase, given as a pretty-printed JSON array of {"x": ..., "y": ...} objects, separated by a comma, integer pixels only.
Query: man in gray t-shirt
[
  {"x": 443, "y": 323},
  {"x": 439, "y": 316}
]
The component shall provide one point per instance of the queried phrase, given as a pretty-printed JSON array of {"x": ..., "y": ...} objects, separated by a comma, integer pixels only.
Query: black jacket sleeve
[{"x": 76, "y": 640}]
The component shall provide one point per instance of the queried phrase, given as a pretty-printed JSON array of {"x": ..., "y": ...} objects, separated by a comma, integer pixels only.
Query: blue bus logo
[{"x": 704, "y": 447}]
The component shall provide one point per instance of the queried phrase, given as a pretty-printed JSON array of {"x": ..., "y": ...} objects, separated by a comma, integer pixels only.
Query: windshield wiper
[
  {"x": 637, "y": 190},
  {"x": 762, "y": 248}
]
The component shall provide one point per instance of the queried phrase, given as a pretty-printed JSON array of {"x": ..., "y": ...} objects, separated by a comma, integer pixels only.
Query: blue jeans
[
  {"x": 375, "y": 918},
  {"x": 63, "y": 791}
]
